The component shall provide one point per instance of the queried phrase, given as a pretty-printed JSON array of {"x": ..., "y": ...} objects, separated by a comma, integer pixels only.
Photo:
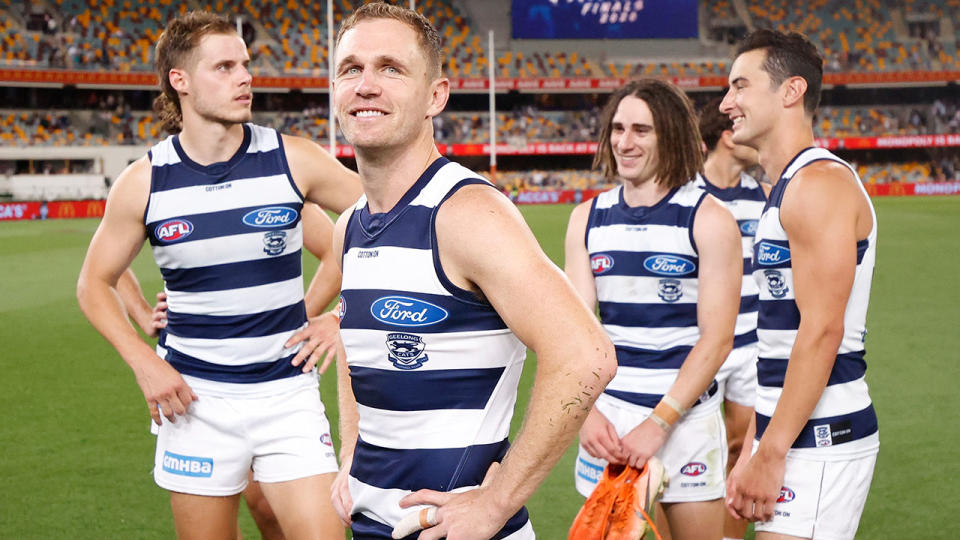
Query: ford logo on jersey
[
  {"x": 786, "y": 495},
  {"x": 600, "y": 263},
  {"x": 694, "y": 468},
  {"x": 274, "y": 216},
  {"x": 406, "y": 311},
  {"x": 770, "y": 254},
  {"x": 668, "y": 265},
  {"x": 748, "y": 227},
  {"x": 173, "y": 230}
]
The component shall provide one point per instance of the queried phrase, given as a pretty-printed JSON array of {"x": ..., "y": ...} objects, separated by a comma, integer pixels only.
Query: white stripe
[
  {"x": 242, "y": 301},
  {"x": 657, "y": 339},
  {"x": 163, "y": 153},
  {"x": 227, "y": 352},
  {"x": 438, "y": 187},
  {"x": 643, "y": 380},
  {"x": 609, "y": 198},
  {"x": 749, "y": 286},
  {"x": 435, "y": 428},
  {"x": 446, "y": 350},
  {"x": 836, "y": 399},
  {"x": 398, "y": 268},
  {"x": 383, "y": 504},
  {"x": 262, "y": 139},
  {"x": 776, "y": 343},
  {"x": 257, "y": 191},
  {"x": 640, "y": 290},
  {"x": 745, "y": 323},
  {"x": 222, "y": 250},
  {"x": 622, "y": 237}
]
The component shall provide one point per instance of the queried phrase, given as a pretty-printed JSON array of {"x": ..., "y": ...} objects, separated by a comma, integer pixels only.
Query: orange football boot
[
  {"x": 593, "y": 520},
  {"x": 630, "y": 515}
]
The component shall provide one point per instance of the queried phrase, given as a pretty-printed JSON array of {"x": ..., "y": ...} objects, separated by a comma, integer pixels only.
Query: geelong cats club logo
[{"x": 406, "y": 350}]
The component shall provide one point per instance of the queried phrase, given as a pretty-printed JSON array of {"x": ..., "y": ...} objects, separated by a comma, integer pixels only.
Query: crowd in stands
[{"x": 287, "y": 37}]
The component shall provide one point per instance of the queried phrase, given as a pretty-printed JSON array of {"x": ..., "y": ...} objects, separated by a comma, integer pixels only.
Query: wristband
[
  {"x": 669, "y": 400},
  {"x": 660, "y": 421}
]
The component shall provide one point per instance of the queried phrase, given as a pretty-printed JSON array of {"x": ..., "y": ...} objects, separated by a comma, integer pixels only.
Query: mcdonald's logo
[
  {"x": 66, "y": 210},
  {"x": 897, "y": 188},
  {"x": 94, "y": 209}
]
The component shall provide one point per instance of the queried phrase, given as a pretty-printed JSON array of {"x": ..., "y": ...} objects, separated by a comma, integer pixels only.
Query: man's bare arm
[
  {"x": 117, "y": 241},
  {"x": 484, "y": 244},
  {"x": 321, "y": 177}
]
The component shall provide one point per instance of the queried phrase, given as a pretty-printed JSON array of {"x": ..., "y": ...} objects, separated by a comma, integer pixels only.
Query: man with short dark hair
[{"x": 815, "y": 436}]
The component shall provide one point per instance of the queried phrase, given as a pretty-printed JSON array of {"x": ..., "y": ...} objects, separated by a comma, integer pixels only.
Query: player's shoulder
[
  {"x": 294, "y": 146},
  {"x": 823, "y": 181},
  {"x": 136, "y": 174}
]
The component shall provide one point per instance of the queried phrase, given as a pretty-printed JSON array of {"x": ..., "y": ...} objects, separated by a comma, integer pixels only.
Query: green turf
[{"x": 77, "y": 453}]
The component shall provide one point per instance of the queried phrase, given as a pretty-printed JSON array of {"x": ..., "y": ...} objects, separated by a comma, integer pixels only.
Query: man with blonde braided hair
[{"x": 232, "y": 384}]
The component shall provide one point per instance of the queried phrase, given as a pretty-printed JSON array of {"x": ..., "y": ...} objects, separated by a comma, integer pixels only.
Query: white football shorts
[
  {"x": 695, "y": 454},
  {"x": 822, "y": 500},
  {"x": 211, "y": 449},
  {"x": 738, "y": 376}
]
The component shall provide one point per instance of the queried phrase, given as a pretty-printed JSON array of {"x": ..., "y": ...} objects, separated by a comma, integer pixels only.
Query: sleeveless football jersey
[
  {"x": 433, "y": 368},
  {"x": 645, "y": 267},
  {"x": 745, "y": 202},
  {"x": 843, "y": 424},
  {"x": 227, "y": 239}
]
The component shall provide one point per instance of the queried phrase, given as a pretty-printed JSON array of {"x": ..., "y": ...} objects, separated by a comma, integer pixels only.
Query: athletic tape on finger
[{"x": 415, "y": 521}]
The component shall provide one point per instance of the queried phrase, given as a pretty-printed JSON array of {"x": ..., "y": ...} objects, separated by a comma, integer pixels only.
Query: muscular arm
[
  {"x": 820, "y": 215},
  {"x": 717, "y": 239},
  {"x": 823, "y": 213},
  {"x": 137, "y": 307},
  {"x": 321, "y": 177},
  {"x": 117, "y": 241},
  {"x": 484, "y": 244},
  {"x": 318, "y": 239},
  {"x": 718, "y": 243}
]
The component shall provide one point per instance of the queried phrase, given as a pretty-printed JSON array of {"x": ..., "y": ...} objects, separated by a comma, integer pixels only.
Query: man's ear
[
  {"x": 179, "y": 80},
  {"x": 795, "y": 89},
  {"x": 439, "y": 94}
]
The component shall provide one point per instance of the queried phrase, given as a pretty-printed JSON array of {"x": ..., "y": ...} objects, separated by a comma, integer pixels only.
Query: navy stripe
[
  {"x": 408, "y": 229},
  {"x": 244, "y": 374},
  {"x": 778, "y": 315},
  {"x": 735, "y": 193},
  {"x": 223, "y": 223},
  {"x": 365, "y": 528},
  {"x": 748, "y": 266},
  {"x": 842, "y": 428},
  {"x": 847, "y": 367},
  {"x": 679, "y": 315},
  {"x": 668, "y": 214},
  {"x": 265, "y": 323},
  {"x": 180, "y": 175},
  {"x": 440, "y": 469},
  {"x": 424, "y": 390},
  {"x": 650, "y": 400},
  {"x": 747, "y": 338},
  {"x": 223, "y": 277},
  {"x": 749, "y": 303},
  {"x": 862, "y": 246},
  {"x": 461, "y": 317},
  {"x": 649, "y": 264},
  {"x": 650, "y": 359}
]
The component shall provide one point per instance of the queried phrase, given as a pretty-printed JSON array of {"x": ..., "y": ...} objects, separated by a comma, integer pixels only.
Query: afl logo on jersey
[
  {"x": 748, "y": 227},
  {"x": 786, "y": 495},
  {"x": 771, "y": 254},
  {"x": 694, "y": 468},
  {"x": 406, "y": 311},
  {"x": 668, "y": 265},
  {"x": 406, "y": 350},
  {"x": 274, "y": 216},
  {"x": 174, "y": 230},
  {"x": 601, "y": 263}
]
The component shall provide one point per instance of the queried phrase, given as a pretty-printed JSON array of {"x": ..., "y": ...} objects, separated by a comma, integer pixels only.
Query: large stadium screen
[{"x": 583, "y": 19}]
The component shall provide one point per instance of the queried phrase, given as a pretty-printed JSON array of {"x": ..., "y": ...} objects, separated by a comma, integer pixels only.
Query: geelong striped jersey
[
  {"x": 745, "y": 202},
  {"x": 227, "y": 239},
  {"x": 843, "y": 424},
  {"x": 645, "y": 267},
  {"x": 434, "y": 369}
]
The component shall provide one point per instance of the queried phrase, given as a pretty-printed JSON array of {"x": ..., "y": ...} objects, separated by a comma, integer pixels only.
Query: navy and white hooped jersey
[
  {"x": 227, "y": 239},
  {"x": 843, "y": 424},
  {"x": 645, "y": 267},
  {"x": 745, "y": 202},
  {"x": 434, "y": 369}
]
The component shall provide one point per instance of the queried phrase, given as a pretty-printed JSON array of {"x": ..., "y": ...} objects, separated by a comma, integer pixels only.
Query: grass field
[{"x": 77, "y": 454}]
